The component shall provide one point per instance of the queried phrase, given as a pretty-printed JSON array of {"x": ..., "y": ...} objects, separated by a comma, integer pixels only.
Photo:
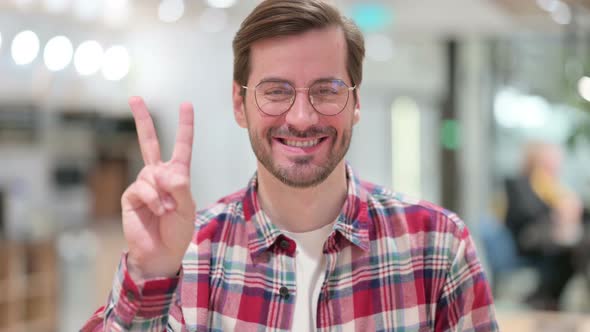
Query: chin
[{"x": 301, "y": 172}]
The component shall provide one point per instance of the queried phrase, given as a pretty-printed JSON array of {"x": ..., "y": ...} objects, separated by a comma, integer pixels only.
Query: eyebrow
[{"x": 278, "y": 79}]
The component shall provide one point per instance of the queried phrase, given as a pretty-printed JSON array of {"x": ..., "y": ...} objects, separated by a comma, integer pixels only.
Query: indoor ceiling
[
  {"x": 411, "y": 17},
  {"x": 531, "y": 8}
]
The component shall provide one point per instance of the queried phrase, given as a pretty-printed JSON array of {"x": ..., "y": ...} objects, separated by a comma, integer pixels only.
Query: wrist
[{"x": 150, "y": 270}]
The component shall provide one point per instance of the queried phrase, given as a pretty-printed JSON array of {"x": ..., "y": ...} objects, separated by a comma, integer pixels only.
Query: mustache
[{"x": 310, "y": 132}]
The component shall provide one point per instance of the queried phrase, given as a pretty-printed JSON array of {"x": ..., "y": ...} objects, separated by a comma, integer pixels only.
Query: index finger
[
  {"x": 183, "y": 148},
  {"x": 146, "y": 133}
]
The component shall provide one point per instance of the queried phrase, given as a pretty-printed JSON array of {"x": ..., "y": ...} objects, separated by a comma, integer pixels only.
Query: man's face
[{"x": 300, "y": 147}]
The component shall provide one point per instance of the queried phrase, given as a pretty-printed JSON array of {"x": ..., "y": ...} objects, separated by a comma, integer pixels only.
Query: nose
[{"x": 302, "y": 115}]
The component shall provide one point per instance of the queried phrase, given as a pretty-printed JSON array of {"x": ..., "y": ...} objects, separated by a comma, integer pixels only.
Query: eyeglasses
[{"x": 328, "y": 97}]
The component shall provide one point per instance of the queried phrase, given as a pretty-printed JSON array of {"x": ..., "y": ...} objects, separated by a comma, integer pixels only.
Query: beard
[{"x": 306, "y": 171}]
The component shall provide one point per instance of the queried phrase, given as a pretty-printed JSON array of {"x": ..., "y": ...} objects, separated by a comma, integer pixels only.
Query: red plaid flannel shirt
[{"x": 394, "y": 264}]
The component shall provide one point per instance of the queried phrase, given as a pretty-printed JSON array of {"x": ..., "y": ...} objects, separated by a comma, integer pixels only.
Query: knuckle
[
  {"x": 143, "y": 190},
  {"x": 125, "y": 197},
  {"x": 177, "y": 164},
  {"x": 129, "y": 191},
  {"x": 149, "y": 195},
  {"x": 181, "y": 183},
  {"x": 151, "y": 198},
  {"x": 147, "y": 173}
]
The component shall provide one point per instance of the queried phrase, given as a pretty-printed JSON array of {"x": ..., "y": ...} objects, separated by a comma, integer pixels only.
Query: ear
[
  {"x": 356, "y": 116},
  {"x": 238, "y": 103}
]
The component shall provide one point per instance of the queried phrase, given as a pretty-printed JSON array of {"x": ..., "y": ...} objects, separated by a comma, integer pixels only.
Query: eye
[
  {"x": 327, "y": 89},
  {"x": 277, "y": 92}
]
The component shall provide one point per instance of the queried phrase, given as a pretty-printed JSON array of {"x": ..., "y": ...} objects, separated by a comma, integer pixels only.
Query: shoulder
[{"x": 410, "y": 215}]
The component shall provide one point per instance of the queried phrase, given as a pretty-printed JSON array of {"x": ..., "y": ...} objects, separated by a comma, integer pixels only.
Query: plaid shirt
[{"x": 393, "y": 265}]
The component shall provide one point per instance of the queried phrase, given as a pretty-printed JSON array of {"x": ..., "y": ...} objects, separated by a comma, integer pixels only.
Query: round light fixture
[
  {"x": 116, "y": 63},
  {"x": 25, "y": 47},
  {"x": 58, "y": 53},
  {"x": 88, "y": 57}
]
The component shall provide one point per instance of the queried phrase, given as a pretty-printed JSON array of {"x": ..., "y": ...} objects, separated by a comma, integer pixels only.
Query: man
[{"x": 306, "y": 246}]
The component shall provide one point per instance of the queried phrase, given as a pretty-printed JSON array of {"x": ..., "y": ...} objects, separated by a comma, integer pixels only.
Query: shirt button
[
  {"x": 130, "y": 296},
  {"x": 284, "y": 292},
  {"x": 284, "y": 244}
]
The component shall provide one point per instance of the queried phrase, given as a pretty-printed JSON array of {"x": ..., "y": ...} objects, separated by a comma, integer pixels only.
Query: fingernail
[{"x": 169, "y": 202}]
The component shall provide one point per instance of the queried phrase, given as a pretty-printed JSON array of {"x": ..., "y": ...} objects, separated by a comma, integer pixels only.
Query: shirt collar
[{"x": 352, "y": 223}]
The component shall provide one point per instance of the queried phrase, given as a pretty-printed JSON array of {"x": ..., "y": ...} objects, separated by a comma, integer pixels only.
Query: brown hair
[{"x": 273, "y": 18}]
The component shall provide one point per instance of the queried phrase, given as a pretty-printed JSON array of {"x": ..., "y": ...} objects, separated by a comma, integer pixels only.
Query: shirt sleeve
[
  {"x": 466, "y": 302},
  {"x": 134, "y": 306}
]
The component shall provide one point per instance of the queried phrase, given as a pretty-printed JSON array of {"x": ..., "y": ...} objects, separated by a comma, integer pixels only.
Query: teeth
[{"x": 302, "y": 144}]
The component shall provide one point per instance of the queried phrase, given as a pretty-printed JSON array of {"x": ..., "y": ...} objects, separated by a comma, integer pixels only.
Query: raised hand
[{"x": 158, "y": 208}]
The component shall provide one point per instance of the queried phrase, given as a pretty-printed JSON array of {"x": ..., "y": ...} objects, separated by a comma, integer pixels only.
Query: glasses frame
[{"x": 349, "y": 89}]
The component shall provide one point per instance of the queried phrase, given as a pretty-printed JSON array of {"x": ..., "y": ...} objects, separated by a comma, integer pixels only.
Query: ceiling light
[
  {"x": 584, "y": 87},
  {"x": 548, "y": 5},
  {"x": 562, "y": 14},
  {"x": 88, "y": 57},
  {"x": 116, "y": 63},
  {"x": 25, "y": 47},
  {"x": 221, "y": 3},
  {"x": 170, "y": 10},
  {"x": 58, "y": 53}
]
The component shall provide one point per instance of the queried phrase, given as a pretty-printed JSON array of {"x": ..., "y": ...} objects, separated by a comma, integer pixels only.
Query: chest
[{"x": 380, "y": 289}]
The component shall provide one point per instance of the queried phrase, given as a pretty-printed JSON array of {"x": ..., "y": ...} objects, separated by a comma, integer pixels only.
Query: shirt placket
[
  {"x": 324, "y": 312},
  {"x": 281, "y": 311}
]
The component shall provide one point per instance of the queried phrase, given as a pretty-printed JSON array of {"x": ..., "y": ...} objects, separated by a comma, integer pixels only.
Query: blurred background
[{"x": 482, "y": 106}]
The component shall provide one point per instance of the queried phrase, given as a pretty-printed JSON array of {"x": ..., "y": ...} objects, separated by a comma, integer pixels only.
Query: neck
[{"x": 302, "y": 209}]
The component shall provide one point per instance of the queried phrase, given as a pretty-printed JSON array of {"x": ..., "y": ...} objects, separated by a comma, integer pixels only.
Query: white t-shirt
[{"x": 310, "y": 269}]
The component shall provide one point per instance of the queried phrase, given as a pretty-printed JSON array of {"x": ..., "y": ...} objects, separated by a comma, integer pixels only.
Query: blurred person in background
[
  {"x": 545, "y": 219},
  {"x": 307, "y": 246}
]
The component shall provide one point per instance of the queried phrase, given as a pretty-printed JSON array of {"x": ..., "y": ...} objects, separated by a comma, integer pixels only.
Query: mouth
[{"x": 300, "y": 145}]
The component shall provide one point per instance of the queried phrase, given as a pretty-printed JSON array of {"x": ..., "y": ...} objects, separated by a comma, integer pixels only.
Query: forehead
[{"x": 300, "y": 58}]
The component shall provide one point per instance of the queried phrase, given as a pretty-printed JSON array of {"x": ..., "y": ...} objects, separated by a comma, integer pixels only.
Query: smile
[{"x": 301, "y": 144}]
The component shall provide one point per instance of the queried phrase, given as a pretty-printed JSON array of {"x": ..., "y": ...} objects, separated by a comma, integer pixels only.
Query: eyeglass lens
[{"x": 327, "y": 97}]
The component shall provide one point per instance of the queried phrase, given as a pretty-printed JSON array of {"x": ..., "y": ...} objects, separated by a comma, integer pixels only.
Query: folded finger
[
  {"x": 178, "y": 187},
  {"x": 141, "y": 193}
]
